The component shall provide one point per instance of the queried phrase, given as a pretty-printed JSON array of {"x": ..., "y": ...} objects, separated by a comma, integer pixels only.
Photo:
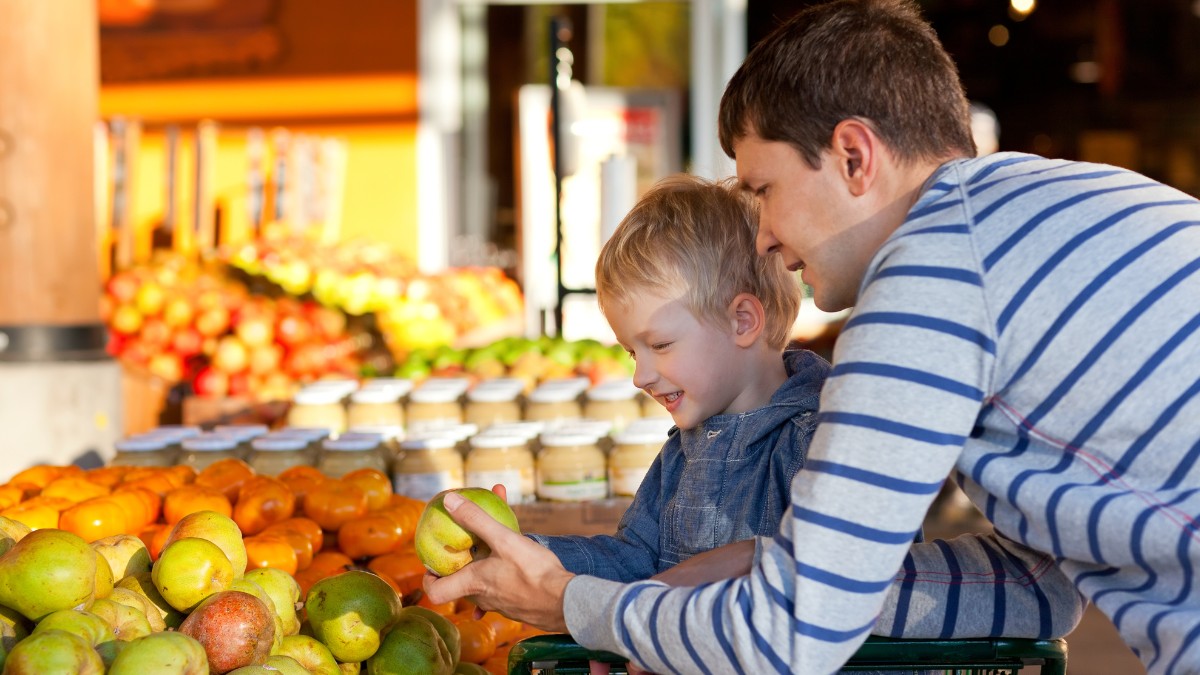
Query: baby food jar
[
  {"x": 526, "y": 431},
  {"x": 502, "y": 459},
  {"x": 273, "y": 454},
  {"x": 615, "y": 401},
  {"x": 375, "y": 406},
  {"x": 318, "y": 407},
  {"x": 350, "y": 452},
  {"x": 494, "y": 402},
  {"x": 430, "y": 407},
  {"x": 174, "y": 434},
  {"x": 244, "y": 434},
  {"x": 634, "y": 451},
  {"x": 552, "y": 404},
  {"x": 571, "y": 468},
  {"x": 426, "y": 466},
  {"x": 201, "y": 451},
  {"x": 143, "y": 450}
]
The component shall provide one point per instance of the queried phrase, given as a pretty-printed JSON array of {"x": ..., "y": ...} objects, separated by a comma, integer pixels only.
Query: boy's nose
[{"x": 643, "y": 374}]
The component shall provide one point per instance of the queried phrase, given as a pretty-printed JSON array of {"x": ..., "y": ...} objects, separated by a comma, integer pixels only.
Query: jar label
[
  {"x": 625, "y": 482},
  {"x": 509, "y": 478},
  {"x": 424, "y": 486},
  {"x": 573, "y": 491}
]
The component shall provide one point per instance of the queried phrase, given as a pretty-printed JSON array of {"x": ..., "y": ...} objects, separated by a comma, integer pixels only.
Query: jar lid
[
  {"x": 459, "y": 384},
  {"x": 613, "y": 390},
  {"x": 311, "y": 395},
  {"x": 141, "y": 443},
  {"x": 376, "y": 395},
  {"x": 386, "y": 432},
  {"x": 553, "y": 394},
  {"x": 399, "y": 385},
  {"x": 242, "y": 432},
  {"x": 526, "y": 430},
  {"x": 428, "y": 443},
  {"x": 344, "y": 385},
  {"x": 489, "y": 393},
  {"x": 658, "y": 424},
  {"x": 354, "y": 444},
  {"x": 362, "y": 436},
  {"x": 210, "y": 442},
  {"x": 279, "y": 444},
  {"x": 440, "y": 394},
  {"x": 307, "y": 433},
  {"x": 566, "y": 438},
  {"x": 580, "y": 425},
  {"x": 497, "y": 441},
  {"x": 457, "y": 431},
  {"x": 644, "y": 436},
  {"x": 578, "y": 384},
  {"x": 175, "y": 432}
]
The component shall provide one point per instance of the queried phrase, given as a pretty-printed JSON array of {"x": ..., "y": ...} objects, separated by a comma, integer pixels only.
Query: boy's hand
[
  {"x": 520, "y": 579},
  {"x": 726, "y": 562}
]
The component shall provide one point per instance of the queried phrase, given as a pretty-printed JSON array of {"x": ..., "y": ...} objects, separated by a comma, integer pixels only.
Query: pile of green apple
[
  {"x": 532, "y": 360},
  {"x": 67, "y": 606}
]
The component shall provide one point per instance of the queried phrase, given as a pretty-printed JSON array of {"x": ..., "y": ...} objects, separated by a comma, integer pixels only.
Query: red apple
[
  {"x": 231, "y": 355},
  {"x": 265, "y": 358},
  {"x": 236, "y": 629},
  {"x": 166, "y": 365},
  {"x": 330, "y": 323},
  {"x": 122, "y": 286},
  {"x": 187, "y": 342},
  {"x": 239, "y": 384},
  {"x": 211, "y": 383},
  {"x": 156, "y": 332},
  {"x": 256, "y": 329},
  {"x": 293, "y": 331},
  {"x": 150, "y": 298}
]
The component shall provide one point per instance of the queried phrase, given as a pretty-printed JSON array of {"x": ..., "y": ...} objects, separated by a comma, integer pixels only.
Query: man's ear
[
  {"x": 858, "y": 153},
  {"x": 748, "y": 317}
]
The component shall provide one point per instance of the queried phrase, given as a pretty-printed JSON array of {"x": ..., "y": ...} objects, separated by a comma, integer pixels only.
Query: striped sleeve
[{"x": 895, "y": 414}]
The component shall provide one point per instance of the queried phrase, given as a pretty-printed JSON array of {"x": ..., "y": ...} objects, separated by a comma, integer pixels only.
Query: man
[{"x": 1032, "y": 325}]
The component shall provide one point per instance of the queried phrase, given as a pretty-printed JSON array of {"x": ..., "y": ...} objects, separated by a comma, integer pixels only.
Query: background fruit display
[
  {"x": 257, "y": 320},
  {"x": 139, "y": 569}
]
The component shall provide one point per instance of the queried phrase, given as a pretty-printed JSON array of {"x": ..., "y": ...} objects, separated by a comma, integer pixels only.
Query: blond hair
[{"x": 697, "y": 236}]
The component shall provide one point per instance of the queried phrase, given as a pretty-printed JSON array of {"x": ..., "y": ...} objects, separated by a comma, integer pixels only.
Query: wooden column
[{"x": 49, "y": 80}]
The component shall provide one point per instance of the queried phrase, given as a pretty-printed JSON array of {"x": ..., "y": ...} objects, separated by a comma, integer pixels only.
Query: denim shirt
[{"x": 724, "y": 481}]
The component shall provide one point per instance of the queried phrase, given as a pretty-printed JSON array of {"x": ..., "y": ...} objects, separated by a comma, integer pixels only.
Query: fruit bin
[{"x": 561, "y": 655}]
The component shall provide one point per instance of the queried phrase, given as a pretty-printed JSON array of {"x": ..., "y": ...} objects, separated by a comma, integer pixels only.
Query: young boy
[{"x": 706, "y": 321}]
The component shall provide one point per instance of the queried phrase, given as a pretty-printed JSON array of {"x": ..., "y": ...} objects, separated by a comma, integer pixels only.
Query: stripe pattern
[{"x": 1033, "y": 328}]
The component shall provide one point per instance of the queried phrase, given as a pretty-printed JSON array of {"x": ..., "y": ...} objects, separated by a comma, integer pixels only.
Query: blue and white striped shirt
[{"x": 1033, "y": 328}]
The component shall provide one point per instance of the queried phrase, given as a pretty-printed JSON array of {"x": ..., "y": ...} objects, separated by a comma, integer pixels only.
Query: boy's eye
[{"x": 660, "y": 346}]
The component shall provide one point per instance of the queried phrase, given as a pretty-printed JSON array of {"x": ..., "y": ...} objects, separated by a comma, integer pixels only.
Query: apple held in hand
[{"x": 443, "y": 545}]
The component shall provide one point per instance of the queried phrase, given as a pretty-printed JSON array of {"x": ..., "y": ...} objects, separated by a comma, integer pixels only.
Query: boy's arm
[{"x": 632, "y": 554}]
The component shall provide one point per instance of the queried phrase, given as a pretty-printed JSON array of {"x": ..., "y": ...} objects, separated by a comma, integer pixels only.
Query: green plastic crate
[{"x": 560, "y": 655}]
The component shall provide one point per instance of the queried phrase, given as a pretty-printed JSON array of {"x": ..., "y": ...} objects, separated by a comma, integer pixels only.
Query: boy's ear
[
  {"x": 749, "y": 319},
  {"x": 858, "y": 152}
]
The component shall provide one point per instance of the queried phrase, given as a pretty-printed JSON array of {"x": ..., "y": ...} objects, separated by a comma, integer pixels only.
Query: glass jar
[
  {"x": 553, "y": 404},
  {"x": 426, "y": 466},
  {"x": 505, "y": 460},
  {"x": 174, "y": 435},
  {"x": 571, "y": 468},
  {"x": 340, "y": 456},
  {"x": 615, "y": 401},
  {"x": 430, "y": 407},
  {"x": 313, "y": 436},
  {"x": 397, "y": 384},
  {"x": 274, "y": 454},
  {"x": 244, "y": 434},
  {"x": 143, "y": 450},
  {"x": 318, "y": 407},
  {"x": 494, "y": 402},
  {"x": 634, "y": 450},
  {"x": 201, "y": 451},
  {"x": 599, "y": 430},
  {"x": 527, "y": 431},
  {"x": 375, "y": 406}
]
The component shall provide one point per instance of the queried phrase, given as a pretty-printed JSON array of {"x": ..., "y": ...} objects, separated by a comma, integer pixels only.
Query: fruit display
[
  {"x": 532, "y": 360},
  {"x": 244, "y": 573},
  {"x": 257, "y": 320}
]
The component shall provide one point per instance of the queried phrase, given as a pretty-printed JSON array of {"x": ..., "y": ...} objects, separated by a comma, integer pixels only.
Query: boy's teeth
[{"x": 671, "y": 397}]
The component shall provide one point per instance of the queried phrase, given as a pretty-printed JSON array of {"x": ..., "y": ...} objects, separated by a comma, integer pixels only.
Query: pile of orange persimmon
[{"x": 301, "y": 521}]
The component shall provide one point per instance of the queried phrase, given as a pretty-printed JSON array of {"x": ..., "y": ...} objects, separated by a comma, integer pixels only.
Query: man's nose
[{"x": 765, "y": 242}]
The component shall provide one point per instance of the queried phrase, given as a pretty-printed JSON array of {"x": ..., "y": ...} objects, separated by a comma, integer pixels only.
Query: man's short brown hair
[{"x": 874, "y": 60}]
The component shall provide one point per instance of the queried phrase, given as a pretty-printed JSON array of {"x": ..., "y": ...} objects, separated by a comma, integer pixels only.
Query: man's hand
[
  {"x": 726, "y": 562},
  {"x": 520, "y": 579}
]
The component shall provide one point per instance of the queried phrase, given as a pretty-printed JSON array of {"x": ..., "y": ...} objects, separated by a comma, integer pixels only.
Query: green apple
[
  {"x": 53, "y": 652},
  {"x": 127, "y": 623},
  {"x": 46, "y": 571},
  {"x": 284, "y": 591},
  {"x": 140, "y": 603},
  {"x": 189, "y": 570},
  {"x": 143, "y": 584},
  {"x": 217, "y": 528},
  {"x": 125, "y": 553},
  {"x": 349, "y": 611},
  {"x": 447, "y": 630},
  {"x": 166, "y": 653},
  {"x": 443, "y": 545},
  {"x": 87, "y": 626},
  {"x": 104, "y": 577},
  {"x": 274, "y": 664},
  {"x": 411, "y": 646},
  {"x": 310, "y": 653}
]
